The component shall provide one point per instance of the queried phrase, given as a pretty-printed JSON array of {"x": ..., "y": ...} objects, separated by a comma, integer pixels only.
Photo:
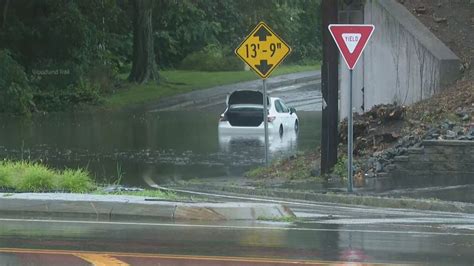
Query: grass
[
  {"x": 144, "y": 193},
  {"x": 284, "y": 219},
  {"x": 297, "y": 167},
  {"x": 25, "y": 176},
  {"x": 181, "y": 81},
  {"x": 340, "y": 168}
]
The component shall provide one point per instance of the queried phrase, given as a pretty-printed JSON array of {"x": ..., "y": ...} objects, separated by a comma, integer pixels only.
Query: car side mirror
[{"x": 292, "y": 110}]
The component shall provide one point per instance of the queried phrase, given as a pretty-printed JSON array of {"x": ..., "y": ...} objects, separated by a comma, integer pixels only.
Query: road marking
[
  {"x": 100, "y": 259},
  {"x": 394, "y": 220},
  {"x": 240, "y": 227}
]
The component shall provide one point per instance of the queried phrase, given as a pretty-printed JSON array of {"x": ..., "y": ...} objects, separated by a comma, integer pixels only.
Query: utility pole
[{"x": 329, "y": 88}]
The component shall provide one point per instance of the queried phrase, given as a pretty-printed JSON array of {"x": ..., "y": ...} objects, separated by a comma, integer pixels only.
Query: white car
[{"x": 244, "y": 114}]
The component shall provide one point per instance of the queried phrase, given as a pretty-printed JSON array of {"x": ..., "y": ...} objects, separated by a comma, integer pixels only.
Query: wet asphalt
[{"x": 322, "y": 232}]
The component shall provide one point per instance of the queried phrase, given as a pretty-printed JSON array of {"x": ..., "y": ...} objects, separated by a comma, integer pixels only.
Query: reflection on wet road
[
  {"x": 160, "y": 145},
  {"x": 333, "y": 233}
]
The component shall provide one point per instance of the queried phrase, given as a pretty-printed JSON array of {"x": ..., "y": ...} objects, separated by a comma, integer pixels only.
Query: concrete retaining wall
[
  {"x": 439, "y": 163},
  {"x": 403, "y": 62}
]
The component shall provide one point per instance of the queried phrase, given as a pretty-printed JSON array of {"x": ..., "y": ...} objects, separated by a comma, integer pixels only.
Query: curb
[
  {"x": 113, "y": 207},
  {"x": 348, "y": 199}
]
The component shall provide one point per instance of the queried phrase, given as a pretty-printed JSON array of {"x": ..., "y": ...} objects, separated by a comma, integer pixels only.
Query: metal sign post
[
  {"x": 351, "y": 40},
  {"x": 350, "y": 137},
  {"x": 263, "y": 50},
  {"x": 265, "y": 118}
]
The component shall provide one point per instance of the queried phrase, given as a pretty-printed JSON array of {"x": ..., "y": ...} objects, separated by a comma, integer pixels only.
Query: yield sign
[{"x": 351, "y": 40}]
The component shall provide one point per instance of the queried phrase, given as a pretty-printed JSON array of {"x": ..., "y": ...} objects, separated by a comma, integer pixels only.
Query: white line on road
[
  {"x": 394, "y": 220},
  {"x": 229, "y": 227}
]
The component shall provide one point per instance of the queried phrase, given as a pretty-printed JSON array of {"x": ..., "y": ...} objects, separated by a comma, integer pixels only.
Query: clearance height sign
[{"x": 263, "y": 50}]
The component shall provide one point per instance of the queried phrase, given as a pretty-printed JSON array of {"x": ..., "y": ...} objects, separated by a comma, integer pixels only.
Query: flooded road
[{"x": 132, "y": 145}]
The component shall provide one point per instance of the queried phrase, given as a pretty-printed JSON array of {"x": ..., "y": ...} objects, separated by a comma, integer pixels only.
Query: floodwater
[{"x": 128, "y": 146}]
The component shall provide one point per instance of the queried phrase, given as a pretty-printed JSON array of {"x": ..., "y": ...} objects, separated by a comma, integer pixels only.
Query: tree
[
  {"x": 144, "y": 67},
  {"x": 5, "y": 11}
]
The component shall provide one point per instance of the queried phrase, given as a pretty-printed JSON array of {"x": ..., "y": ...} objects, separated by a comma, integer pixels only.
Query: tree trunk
[
  {"x": 5, "y": 10},
  {"x": 144, "y": 67}
]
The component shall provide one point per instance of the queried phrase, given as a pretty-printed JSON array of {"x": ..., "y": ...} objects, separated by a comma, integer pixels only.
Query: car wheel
[
  {"x": 297, "y": 126},
  {"x": 280, "y": 131}
]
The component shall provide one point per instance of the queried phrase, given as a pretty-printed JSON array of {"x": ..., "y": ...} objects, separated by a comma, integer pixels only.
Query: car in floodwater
[{"x": 244, "y": 114}]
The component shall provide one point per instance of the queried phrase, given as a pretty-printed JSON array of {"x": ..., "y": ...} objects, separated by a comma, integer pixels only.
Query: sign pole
[
  {"x": 265, "y": 118},
  {"x": 351, "y": 40},
  {"x": 263, "y": 50},
  {"x": 350, "y": 144}
]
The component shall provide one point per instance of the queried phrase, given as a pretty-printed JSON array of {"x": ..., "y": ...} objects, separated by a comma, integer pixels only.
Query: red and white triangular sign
[{"x": 351, "y": 40}]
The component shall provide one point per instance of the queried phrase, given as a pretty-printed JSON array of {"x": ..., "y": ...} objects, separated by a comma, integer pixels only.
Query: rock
[
  {"x": 370, "y": 174},
  {"x": 371, "y": 162},
  {"x": 118, "y": 188},
  {"x": 448, "y": 124},
  {"x": 377, "y": 154},
  {"x": 378, "y": 167},
  {"x": 420, "y": 10},
  {"x": 316, "y": 172},
  {"x": 439, "y": 19},
  {"x": 460, "y": 112},
  {"x": 402, "y": 151},
  {"x": 458, "y": 130},
  {"x": 451, "y": 134}
]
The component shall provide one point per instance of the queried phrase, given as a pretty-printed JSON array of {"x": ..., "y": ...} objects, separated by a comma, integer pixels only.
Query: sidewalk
[
  {"x": 119, "y": 207},
  {"x": 357, "y": 198},
  {"x": 219, "y": 93}
]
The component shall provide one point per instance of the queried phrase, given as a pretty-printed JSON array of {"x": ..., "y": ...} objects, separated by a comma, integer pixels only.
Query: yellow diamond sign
[{"x": 263, "y": 50}]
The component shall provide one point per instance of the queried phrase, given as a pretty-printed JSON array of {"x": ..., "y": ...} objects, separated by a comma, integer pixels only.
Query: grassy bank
[
  {"x": 297, "y": 167},
  {"x": 25, "y": 176},
  {"x": 179, "y": 81}
]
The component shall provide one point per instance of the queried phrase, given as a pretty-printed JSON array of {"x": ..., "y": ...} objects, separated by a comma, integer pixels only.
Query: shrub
[
  {"x": 15, "y": 93},
  {"x": 5, "y": 181},
  {"x": 104, "y": 77},
  {"x": 86, "y": 92},
  {"x": 211, "y": 58},
  {"x": 35, "y": 178},
  {"x": 77, "y": 181},
  {"x": 340, "y": 168},
  {"x": 57, "y": 99},
  {"x": 62, "y": 85}
]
